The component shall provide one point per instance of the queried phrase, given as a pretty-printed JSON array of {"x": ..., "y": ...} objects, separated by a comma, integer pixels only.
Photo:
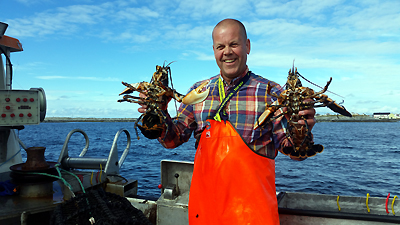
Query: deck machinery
[{"x": 35, "y": 196}]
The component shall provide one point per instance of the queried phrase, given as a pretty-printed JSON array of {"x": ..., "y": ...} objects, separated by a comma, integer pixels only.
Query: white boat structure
[{"x": 38, "y": 195}]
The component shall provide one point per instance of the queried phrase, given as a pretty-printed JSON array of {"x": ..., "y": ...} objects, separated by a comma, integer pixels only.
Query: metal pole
[
  {"x": 2, "y": 74},
  {"x": 8, "y": 70},
  {"x": 4, "y": 133}
]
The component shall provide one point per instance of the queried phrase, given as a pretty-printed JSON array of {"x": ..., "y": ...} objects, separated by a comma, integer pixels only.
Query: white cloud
[
  {"x": 132, "y": 36},
  {"x": 135, "y": 14},
  {"x": 78, "y": 78},
  {"x": 200, "y": 56},
  {"x": 376, "y": 16},
  {"x": 100, "y": 109},
  {"x": 200, "y": 10},
  {"x": 296, "y": 9},
  {"x": 189, "y": 33},
  {"x": 31, "y": 2},
  {"x": 51, "y": 77},
  {"x": 62, "y": 20}
]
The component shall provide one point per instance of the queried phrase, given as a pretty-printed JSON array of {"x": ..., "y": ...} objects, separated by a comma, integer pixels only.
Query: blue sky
[{"x": 80, "y": 51}]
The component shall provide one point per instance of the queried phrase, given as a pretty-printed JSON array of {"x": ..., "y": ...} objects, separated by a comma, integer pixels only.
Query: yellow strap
[
  {"x": 217, "y": 117},
  {"x": 221, "y": 89},
  {"x": 225, "y": 99},
  {"x": 366, "y": 202},
  {"x": 337, "y": 202},
  {"x": 393, "y": 204}
]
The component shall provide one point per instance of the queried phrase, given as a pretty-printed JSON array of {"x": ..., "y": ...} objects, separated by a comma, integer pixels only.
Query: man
[{"x": 234, "y": 169}]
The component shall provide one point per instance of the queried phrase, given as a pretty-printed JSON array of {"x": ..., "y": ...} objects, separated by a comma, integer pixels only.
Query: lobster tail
[{"x": 311, "y": 151}]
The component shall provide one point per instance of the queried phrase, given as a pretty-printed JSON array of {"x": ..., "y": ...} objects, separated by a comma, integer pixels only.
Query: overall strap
[{"x": 225, "y": 99}]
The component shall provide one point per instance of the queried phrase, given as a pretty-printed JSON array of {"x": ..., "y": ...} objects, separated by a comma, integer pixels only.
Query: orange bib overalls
[{"x": 231, "y": 184}]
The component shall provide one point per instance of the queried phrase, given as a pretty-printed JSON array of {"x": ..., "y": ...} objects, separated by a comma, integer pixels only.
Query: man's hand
[
  {"x": 309, "y": 114},
  {"x": 143, "y": 107}
]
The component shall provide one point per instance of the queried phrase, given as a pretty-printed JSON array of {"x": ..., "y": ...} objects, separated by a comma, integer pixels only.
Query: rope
[
  {"x": 337, "y": 202},
  {"x": 77, "y": 178},
  {"x": 393, "y": 204},
  {"x": 386, "y": 204},
  {"x": 59, "y": 177},
  {"x": 10, "y": 158}
]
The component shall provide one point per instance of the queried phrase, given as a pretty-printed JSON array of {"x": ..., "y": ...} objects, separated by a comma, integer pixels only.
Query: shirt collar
[{"x": 236, "y": 80}]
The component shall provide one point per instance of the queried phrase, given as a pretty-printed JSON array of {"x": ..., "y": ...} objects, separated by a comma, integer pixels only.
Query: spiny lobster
[{"x": 293, "y": 98}]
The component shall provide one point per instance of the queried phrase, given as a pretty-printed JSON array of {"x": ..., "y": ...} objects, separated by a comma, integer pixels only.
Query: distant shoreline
[
  {"x": 324, "y": 118},
  {"x": 358, "y": 120},
  {"x": 355, "y": 118}
]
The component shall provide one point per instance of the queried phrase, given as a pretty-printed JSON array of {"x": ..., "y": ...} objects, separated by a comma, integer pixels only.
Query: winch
[{"x": 32, "y": 177}]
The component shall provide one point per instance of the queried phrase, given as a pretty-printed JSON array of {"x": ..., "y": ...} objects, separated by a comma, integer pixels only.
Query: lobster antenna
[
  {"x": 169, "y": 63},
  {"x": 170, "y": 74},
  {"x": 317, "y": 85},
  {"x": 172, "y": 84},
  {"x": 293, "y": 67}
]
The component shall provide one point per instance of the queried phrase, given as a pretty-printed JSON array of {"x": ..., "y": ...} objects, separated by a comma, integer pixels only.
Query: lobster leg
[
  {"x": 270, "y": 110},
  {"x": 312, "y": 149},
  {"x": 269, "y": 87},
  {"x": 323, "y": 90},
  {"x": 129, "y": 98},
  {"x": 266, "y": 115},
  {"x": 136, "y": 125}
]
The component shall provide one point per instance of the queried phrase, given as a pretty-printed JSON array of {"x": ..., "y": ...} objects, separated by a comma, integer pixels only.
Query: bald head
[
  {"x": 231, "y": 46},
  {"x": 229, "y": 23}
]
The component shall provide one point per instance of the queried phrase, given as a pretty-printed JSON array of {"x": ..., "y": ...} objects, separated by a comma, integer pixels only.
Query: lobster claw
[
  {"x": 269, "y": 111},
  {"x": 339, "y": 109},
  {"x": 333, "y": 105},
  {"x": 197, "y": 95},
  {"x": 132, "y": 87},
  {"x": 127, "y": 90}
]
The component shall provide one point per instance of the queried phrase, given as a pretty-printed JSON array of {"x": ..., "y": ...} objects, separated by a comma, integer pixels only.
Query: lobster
[
  {"x": 158, "y": 93},
  {"x": 299, "y": 135}
]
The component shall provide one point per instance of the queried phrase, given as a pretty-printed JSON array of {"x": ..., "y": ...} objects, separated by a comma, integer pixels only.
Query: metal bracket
[{"x": 170, "y": 192}]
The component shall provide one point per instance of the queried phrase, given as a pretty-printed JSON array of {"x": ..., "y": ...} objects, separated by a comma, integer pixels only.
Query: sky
[{"x": 79, "y": 52}]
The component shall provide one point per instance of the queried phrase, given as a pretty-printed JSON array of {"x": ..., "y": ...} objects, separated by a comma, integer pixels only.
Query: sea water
[{"x": 358, "y": 158}]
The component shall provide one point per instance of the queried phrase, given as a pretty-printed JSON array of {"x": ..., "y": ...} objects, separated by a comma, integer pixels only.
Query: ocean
[{"x": 359, "y": 157}]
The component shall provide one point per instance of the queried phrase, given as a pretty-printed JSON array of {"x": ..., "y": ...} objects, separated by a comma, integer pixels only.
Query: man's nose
[{"x": 228, "y": 51}]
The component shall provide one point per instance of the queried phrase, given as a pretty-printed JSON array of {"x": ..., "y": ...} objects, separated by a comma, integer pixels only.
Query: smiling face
[{"x": 231, "y": 47}]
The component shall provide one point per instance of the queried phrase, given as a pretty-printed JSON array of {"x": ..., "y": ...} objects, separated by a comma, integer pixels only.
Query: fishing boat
[{"x": 32, "y": 191}]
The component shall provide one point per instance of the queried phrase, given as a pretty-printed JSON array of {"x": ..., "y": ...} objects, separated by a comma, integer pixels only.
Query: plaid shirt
[{"x": 243, "y": 109}]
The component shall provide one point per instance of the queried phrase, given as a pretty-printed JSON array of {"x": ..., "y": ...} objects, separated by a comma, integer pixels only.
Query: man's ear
[{"x": 248, "y": 46}]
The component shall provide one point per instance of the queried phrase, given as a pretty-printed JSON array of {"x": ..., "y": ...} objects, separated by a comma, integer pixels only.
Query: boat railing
[{"x": 111, "y": 164}]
